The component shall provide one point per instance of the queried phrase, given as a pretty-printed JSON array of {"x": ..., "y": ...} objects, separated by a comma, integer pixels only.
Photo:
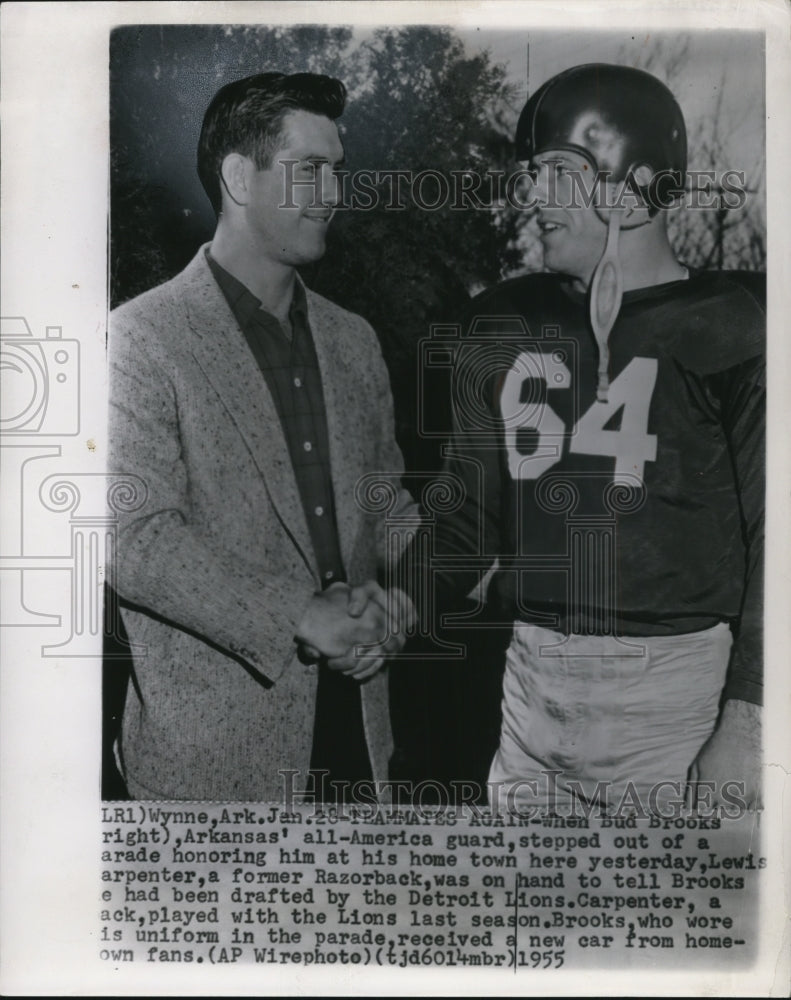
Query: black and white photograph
[{"x": 395, "y": 499}]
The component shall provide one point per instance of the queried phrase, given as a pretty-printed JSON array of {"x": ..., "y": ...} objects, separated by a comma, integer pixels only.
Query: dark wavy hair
[{"x": 246, "y": 117}]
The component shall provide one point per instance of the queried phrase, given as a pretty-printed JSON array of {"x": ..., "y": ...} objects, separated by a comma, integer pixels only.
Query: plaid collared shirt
[{"x": 291, "y": 369}]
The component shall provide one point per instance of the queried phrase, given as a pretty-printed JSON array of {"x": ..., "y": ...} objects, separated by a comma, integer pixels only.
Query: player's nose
[{"x": 543, "y": 184}]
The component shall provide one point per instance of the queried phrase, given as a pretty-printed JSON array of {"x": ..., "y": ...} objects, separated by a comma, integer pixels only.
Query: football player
[{"x": 609, "y": 436}]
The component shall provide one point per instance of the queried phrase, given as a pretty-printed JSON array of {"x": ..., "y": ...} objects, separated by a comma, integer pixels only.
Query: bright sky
[{"x": 718, "y": 60}]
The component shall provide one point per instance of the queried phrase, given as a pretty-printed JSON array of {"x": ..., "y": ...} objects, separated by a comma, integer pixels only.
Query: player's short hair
[{"x": 246, "y": 116}]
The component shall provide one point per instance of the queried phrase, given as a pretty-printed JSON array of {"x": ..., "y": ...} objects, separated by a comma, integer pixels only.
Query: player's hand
[
  {"x": 731, "y": 756},
  {"x": 360, "y": 595},
  {"x": 399, "y": 617},
  {"x": 329, "y": 629},
  {"x": 340, "y": 619}
]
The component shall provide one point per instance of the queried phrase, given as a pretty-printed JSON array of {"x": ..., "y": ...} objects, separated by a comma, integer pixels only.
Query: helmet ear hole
[
  {"x": 642, "y": 181},
  {"x": 643, "y": 175}
]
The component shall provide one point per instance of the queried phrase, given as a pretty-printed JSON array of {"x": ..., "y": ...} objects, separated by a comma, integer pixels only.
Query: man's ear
[
  {"x": 234, "y": 175},
  {"x": 629, "y": 196}
]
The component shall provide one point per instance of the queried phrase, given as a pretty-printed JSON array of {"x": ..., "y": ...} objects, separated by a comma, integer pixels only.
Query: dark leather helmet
[{"x": 616, "y": 116}]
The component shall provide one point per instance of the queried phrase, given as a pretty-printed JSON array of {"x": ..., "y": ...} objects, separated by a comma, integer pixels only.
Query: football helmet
[{"x": 618, "y": 117}]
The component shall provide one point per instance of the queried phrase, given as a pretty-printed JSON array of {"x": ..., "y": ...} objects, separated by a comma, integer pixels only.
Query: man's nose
[{"x": 329, "y": 186}]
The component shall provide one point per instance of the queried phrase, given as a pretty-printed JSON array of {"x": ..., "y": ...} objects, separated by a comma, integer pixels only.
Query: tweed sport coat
[{"x": 217, "y": 565}]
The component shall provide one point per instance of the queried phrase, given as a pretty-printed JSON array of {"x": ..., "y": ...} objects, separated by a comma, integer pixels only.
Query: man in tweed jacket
[{"x": 235, "y": 573}]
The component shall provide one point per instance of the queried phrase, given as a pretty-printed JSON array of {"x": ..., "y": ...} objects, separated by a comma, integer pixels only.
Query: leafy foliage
[{"x": 420, "y": 105}]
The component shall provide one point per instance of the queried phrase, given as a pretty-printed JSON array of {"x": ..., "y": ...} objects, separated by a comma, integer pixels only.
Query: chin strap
[{"x": 606, "y": 292}]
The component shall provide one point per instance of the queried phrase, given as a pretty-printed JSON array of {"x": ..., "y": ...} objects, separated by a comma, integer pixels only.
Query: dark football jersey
[{"x": 641, "y": 515}]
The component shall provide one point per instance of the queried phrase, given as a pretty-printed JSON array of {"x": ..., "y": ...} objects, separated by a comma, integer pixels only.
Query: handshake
[{"x": 342, "y": 618}]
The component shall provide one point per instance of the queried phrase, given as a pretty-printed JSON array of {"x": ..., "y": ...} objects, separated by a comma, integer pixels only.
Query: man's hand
[
  {"x": 346, "y": 617},
  {"x": 731, "y": 754},
  {"x": 328, "y": 627},
  {"x": 395, "y": 603},
  {"x": 399, "y": 616}
]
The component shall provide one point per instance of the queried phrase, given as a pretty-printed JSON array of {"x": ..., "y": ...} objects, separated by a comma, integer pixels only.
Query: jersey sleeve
[
  {"x": 464, "y": 526},
  {"x": 727, "y": 354},
  {"x": 741, "y": 391}
]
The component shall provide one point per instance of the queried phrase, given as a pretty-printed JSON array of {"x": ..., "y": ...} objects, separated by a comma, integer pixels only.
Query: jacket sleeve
[{"x": 165, "y": 564}]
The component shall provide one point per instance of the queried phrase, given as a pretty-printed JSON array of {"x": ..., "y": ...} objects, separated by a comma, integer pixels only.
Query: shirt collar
[{"x": 247, "y": 306}]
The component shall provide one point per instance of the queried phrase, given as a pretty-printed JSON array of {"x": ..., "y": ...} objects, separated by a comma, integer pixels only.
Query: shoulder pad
[{"x": 725, "y": 323}]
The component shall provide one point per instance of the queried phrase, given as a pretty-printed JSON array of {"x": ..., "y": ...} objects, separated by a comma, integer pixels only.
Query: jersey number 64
[{"x": 535, "y": 434}]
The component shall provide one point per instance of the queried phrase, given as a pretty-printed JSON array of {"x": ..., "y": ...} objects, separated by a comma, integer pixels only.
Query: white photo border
[{"x": 54, "y": 203}]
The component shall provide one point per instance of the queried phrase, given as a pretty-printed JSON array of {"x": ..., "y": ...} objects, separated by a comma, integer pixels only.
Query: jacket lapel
[{"x": 221, "y": 351}]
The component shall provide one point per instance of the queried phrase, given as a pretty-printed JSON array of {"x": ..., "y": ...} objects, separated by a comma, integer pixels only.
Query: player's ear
[
  {"x": 234, "y": 173},
  {"x": 629, "y": 197},
  {"x": 641, "y": 178}
]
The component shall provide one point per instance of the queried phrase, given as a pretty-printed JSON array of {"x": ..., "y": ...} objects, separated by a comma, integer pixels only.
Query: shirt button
[
  {"x": 307, "y": 446},
  {"x": 329, "y": 575},
  {"x": 318, "y": 511},
  {"x": 298, "y": 382}
]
